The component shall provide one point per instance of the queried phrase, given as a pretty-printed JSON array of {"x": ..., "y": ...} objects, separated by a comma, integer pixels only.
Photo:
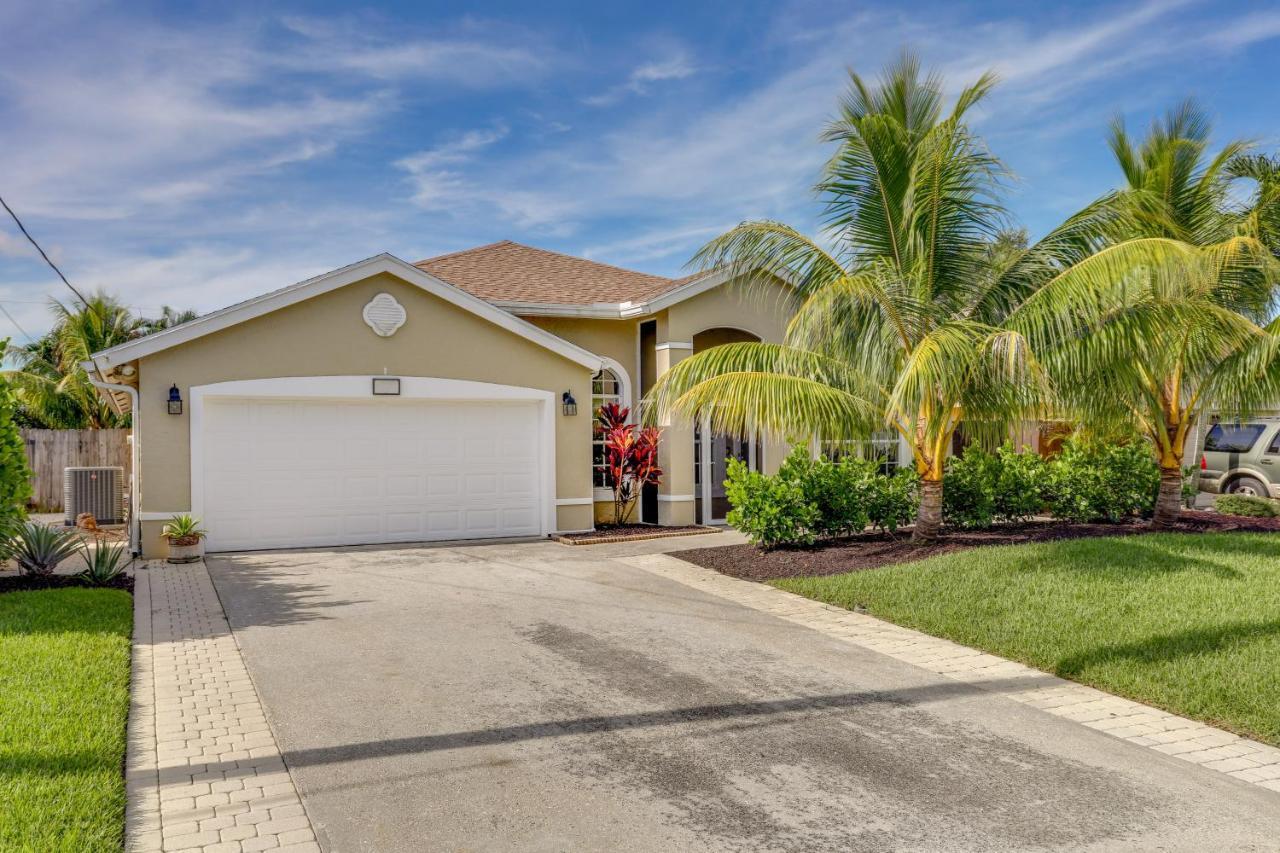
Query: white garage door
[{"x": 300, "y": 473}]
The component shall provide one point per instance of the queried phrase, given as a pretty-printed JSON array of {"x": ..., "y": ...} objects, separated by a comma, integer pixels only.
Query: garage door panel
[
  {"x": 404, "y": 486},
  {"x": 298, "y": 473}
]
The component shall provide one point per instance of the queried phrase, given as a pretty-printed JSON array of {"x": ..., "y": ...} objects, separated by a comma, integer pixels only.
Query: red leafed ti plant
[{"x": 631, "y": 458}]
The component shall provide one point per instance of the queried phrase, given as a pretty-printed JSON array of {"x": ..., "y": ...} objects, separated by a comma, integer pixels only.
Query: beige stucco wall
[
  {"x": 326, "y": 336},
  {"x": 758, "y": 308}
]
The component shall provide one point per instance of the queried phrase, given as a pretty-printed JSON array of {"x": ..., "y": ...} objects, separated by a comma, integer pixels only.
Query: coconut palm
[
  {"x": 1156, "y": 330},
  {"x": 169, "y": 317},
  {"x": 52, "y": 389},
  {"x": 899, "y": 323}
]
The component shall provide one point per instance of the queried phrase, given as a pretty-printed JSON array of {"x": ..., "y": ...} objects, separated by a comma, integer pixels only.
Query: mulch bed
[
  {"x": 872, "y": 550},
  {"x": 17, "y": 583},
  {"x": 629, "y": 533}
]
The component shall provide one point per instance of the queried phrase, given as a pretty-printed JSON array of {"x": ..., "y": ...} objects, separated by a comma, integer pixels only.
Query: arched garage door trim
[{"x": 359, "y": 388}]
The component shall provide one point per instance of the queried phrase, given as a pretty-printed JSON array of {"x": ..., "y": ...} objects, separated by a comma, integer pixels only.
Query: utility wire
[
  {"x": 16, "y": 324},
  {"x": 51, "y": 264}
]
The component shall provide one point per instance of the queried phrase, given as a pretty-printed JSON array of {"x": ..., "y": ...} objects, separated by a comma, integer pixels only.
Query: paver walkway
[
  {"x": 1189, "y": 740},
  {"x": 204, "y": 772}
]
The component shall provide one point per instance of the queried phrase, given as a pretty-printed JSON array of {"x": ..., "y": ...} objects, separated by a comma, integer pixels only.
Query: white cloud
[{"x": 642, "y": 77}]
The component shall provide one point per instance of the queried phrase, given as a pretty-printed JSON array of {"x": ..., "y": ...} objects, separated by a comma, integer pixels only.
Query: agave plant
[
  {"x": 183, "y": 530},
  {"x": 38, "y": 548},
  {"x": 103, "y": 564}
]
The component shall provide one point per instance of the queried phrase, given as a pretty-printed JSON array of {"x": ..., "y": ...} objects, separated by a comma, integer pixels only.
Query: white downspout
[{"x": 135, "y": 501}]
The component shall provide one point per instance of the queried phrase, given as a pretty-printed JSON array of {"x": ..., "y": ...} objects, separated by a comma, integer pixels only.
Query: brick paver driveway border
[
  {"x": 204, "y": 772},
  {"x": 1189, "y": 740}
]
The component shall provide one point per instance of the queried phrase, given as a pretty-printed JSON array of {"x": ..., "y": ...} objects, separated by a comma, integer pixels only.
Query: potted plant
[{"x": 184, "y": 536}]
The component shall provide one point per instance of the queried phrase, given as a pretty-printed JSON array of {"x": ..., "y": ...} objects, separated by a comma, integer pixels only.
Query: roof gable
[{"x": 383, "y": 263}]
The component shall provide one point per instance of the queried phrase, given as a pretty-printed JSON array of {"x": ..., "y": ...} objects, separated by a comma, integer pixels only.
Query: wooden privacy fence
[{"x": 49, "y": 451}]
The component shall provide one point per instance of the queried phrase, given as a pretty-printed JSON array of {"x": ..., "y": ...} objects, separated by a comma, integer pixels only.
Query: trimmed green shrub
[
  {"x": 15, "y": 476},
  {"x": 1021, "y": 484},
  {"x": 969, "y": 489},
  {"x": 1249, "y": 505},
  {"x": 894, "y": 500},
  {"x": 812, "y": 498},
  {"x": 841, "y": 491},
  {"x": 770, "y": 511},
  {"x": 1102, "y": 482},
  {"x": 981, "y": 488}
]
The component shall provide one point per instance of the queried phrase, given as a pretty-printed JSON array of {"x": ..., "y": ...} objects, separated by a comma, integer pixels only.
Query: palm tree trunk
[
  {"x": 1169, "y": 499},
  {"x": 929, "y": 516}
]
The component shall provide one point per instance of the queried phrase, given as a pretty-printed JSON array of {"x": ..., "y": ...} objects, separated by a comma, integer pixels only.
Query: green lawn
[
  {"x": 1185, "y": 622},
  {"x": 64, "y": 699}
]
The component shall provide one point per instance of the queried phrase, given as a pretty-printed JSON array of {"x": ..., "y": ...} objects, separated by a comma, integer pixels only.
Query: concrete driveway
[{"x": 536, "y": 697}]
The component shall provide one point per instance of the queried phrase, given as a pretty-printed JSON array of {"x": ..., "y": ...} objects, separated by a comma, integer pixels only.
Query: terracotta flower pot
[{"x": 185, "y": 549}]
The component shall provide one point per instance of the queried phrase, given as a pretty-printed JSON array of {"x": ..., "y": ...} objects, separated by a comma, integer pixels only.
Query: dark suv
[{"x": 1242, "y": 458}]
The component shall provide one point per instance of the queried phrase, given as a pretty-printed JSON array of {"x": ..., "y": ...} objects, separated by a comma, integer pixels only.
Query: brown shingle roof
[{"x": 512, "y": 272}]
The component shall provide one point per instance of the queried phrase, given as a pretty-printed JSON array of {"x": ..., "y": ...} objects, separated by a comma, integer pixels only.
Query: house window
[
  {"x": 605, "y": 388},
  {"x": 882, "y": 446}
]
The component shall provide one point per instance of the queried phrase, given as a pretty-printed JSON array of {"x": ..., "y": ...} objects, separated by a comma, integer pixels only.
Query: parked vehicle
[{"x": 1242, "y": 458}]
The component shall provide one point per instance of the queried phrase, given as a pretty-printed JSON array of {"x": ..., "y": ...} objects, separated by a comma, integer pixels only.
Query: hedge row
[{"x": 811, "y": 499}]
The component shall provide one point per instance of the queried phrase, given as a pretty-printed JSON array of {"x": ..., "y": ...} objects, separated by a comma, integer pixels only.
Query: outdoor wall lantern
[
  {"x": 175, "y": 400},
  {"x": 570, "y": 405}
]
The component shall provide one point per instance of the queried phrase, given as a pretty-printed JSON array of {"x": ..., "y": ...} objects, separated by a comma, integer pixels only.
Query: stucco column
[{"x": 675, "y": 451}]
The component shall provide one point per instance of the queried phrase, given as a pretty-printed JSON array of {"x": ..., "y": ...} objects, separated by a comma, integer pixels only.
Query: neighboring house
[{"x": 396, "y": 402}]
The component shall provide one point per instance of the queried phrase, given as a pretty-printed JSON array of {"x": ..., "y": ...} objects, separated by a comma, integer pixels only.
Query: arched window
[{"x": 605, "y": 388}]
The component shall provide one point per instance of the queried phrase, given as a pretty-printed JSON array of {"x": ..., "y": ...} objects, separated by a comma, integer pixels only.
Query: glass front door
[{"x": 711, "y": 464}]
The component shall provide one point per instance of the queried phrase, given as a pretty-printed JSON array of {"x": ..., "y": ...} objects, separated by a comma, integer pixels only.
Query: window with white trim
[{"x": 605, "y": 388}]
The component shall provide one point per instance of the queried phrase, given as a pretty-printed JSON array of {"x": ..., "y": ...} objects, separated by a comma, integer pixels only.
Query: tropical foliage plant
[
  {"x": 984, "y": 487},
  {"x": 631, "y": 458},
  {"x": 903, "y": 301},
  {"x": 183, "y": 529},
  {"x": 15, "y": 476},
  {"x": 770, "y": 510},
  {"x": 1174, "y": 318},
  {"x": 103, "y": 564},
  {"x": 53, "y": 391},
  {"x": 1097, "y": 481},
  {"x": 39, "y": 548},
  {"x": 817, "y": 498}
]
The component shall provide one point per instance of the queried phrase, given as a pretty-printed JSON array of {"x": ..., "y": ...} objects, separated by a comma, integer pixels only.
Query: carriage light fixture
[
  {"x": 175, "y": 400},
  {"x": 570, "y": 405}
]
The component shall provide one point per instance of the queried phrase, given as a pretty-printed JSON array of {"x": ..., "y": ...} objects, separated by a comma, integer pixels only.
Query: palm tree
[
  {"x": 900, "y": 322},
  {"x": 53, "y": 391},
  {"x": 1174, "y": 319},
  {"x": 169, "y": 317}
]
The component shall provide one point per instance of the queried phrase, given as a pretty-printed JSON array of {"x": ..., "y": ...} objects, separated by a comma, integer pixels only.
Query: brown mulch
[
  {"x": 872, "y": 550},
  {"x": 18, "y": 583},
  {"x": 629, "y": 532}
]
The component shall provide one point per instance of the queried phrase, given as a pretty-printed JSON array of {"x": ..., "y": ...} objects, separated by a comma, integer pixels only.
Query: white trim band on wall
[
  {"x": 161, "y": 516},
  {"x": 675, "y": 345},
  {"x": 574, "y": 501},
  {"x": 672, "y": 499}
]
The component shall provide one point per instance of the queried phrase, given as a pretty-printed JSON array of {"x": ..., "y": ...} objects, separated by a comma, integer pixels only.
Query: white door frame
[{"x": 360, "y": 388}]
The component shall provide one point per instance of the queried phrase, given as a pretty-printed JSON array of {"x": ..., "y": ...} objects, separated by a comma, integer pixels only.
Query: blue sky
[{"x": 200, "y": 156}]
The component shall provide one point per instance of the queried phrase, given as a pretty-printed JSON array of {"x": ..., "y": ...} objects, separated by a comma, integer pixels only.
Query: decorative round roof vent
[{"x": 384, "y": 314}]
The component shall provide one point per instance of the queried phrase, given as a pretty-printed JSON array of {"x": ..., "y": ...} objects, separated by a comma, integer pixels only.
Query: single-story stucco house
[{"x": 395, "y": 402}]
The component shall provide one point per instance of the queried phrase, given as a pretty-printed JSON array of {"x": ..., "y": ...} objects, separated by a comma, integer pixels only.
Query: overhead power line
[
  {"x": 51, "y": 264},
  {"x": 16, "y": 324}
]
